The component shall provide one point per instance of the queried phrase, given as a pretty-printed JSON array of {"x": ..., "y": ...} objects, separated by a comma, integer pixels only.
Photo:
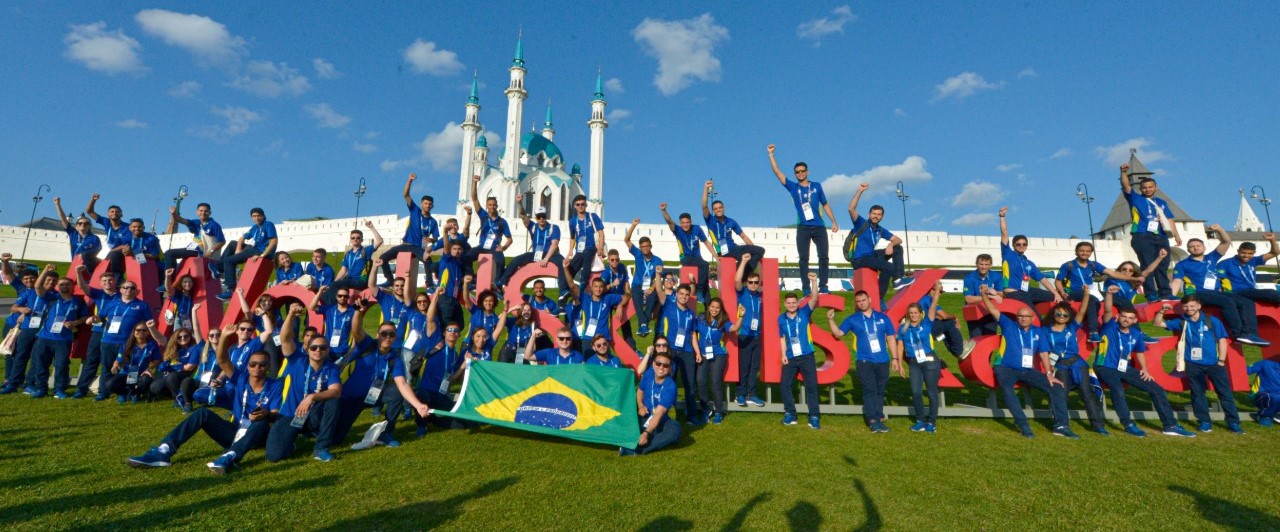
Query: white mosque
[{"x": 531, "y": 170}]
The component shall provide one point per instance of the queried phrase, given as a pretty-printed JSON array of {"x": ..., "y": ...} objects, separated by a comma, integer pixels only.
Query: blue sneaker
[
  {"x": 1026, "y": 431},
  {"x": 1102, "y": 431},
  {"x": 918, "y": 427},
  {"x": 717, "y": 419},
  {"x": 152, "y": 458},
  {"x": 186, "y": 408},
  {"x": 1095, "y": 338},
  {"x": 788, "y": 419},
  {"x": 1266, "y": 422},
  {"x": 903, "y": 282},
  {"x": 741, "y": 400},
  {"x": 1253, "y": 339},
  {"x": 134, "y": 399},
  {"x": 1177, "y": 430},
  {"x": 78, "y": 395},
  {"x": 644, "y": 329},
  {"x": 390, "y": 442},
  {"x": 1234, "y": 427},
  {"x": 59, "y": 394},
  {"x": 422, "y": 432},
  {"x": 99, "y": 397},
  {"x": 223, "y": 296},
  {"x": 322, "y": 455},
  {"x": 813, "y": 423},
  {"x": 120, "y": 399},
  {"x": 930, "y": 428},
  {"x": 37, "y": 394},
  {"x": 1065, "y": 432},
  {"x": 1205, "y": 426},
  {"x": 1133, "y": 429},
  {"x": 223, "y": 464},
  {"x": 623, "y": 451},
  {"x": 8, "y": 389},
  {"x": 755, "y": 401},
  {"x": 28, "y": 390},
  {"x": 879, "y": 426}
]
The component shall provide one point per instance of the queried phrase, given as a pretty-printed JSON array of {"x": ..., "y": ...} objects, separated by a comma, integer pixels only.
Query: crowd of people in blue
[{"x": 280, "y": 378}]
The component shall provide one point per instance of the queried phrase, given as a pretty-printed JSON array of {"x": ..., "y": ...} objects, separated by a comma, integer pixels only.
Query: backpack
[{"x": 851, "y": 238}]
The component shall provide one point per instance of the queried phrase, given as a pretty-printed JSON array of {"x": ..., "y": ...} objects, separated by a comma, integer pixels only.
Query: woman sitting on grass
[{"x": 135, "y": 366}]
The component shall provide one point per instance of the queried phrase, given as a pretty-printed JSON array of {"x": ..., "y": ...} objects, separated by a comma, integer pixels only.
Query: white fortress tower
[{"x": 595, "y": 201}]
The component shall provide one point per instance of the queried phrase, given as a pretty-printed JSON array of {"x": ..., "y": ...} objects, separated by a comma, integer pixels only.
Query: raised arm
[
  {"x": 160, "y": 339},
  {"x": 626, "y": 239},
  {"x": 288, "y": 330},
  {"x": 315, "y": 300},
  {"x": 224, "y": 345},
  {"x": 1275, "y": 249},
  {"x": 377, "y": 238},
  {"x": 773, "y": 163},
  {"x": 813, "y": 290},
  {"x": 466, "y": 224},
  {"x": 1158, "y": 320},
  {"x": 408, "y": 186},
  {"x": 62, "y": 216},
  {"x": 475, "y": 199},
  {"x": 1224, "y": 241},
  {"x": 934, "y": 299},
  {"x": 88, "y": 209},
  {"x": 430, "y": 328},
  {"x": 177, "y": 219},
  {"x": 671, "y": 224},
  {"x": 528, "y": 346},
  {"x": 831, "y": 324},
  {"x": 990, "y": 305},
  {"x": 244, "y": 303},
  {"x": 1004, "y": 226},
  {"x": 857, "y": 196},
  {"x": 373, "y": 276},
  {"x": 1108, "y": 311},
  {"x": 742, "y": 271},
  {"x": 660, "y": 291},
  {"x": 357, "y": 328},
  {"x": 706, "y": 191},
  {"x": 1125, "y": 187}
]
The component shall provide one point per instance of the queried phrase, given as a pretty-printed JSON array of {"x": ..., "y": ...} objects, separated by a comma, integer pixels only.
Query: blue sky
[{"x": 286, "y": 105}]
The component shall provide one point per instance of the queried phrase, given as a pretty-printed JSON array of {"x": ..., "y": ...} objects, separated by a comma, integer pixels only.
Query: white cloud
[
  {"x": 185, "y": 89},
  {"x": 325, "y": 116},
  {"x": 818, "y": 28},
  {"x": 131, "y": 123},
  {"x": 203, "y": 37},
  {"x": 617, "y": 115},
  {"x": 963, "y": 85},
  {"x": 425, "y": 58},
  {"x": 1027, "y": 73},
  {"x": 931, "y": 218},
  {"x": 268, "y": 79},
  {"x": 372, "y": 134},
  {"x": 979, "y": 194},
  {"x": 441, "y": 149},
  {"x": 614, "y": 86},
  {"x": 898, "y": 111},
  {"x": 96, "y": 48},
  {"x": 1118, "y": 154},
  {"x": 1007, "y": 167},
  {"x": 363, "y": 148},
  {"x": 881, "y": 178},
  {"x": 1062, "y": 152},
  {"x": 684, "y": 50},
  {"x": 325, "y": 69},
  {"x": 975, "y": 218},
  {"x": 236, "y": 121}
]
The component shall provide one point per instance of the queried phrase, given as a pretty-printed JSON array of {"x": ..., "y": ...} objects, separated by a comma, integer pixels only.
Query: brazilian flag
[{"x": 594, "y": 404}]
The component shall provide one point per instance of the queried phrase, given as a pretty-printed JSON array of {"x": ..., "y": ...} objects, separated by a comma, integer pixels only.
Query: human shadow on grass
[
  {"x": 29, "y": 480},
  {"x": 422, "y": 515},
  {"x": 669, "y": 522},
  {"x": 139, "y": 494},
  {"x": 1231, "y": 515},
  {"x": 740, "y": 516},
  {"x": 874, "y": 520},
  {"x": 172, "y": 516},
  {"x": 804, "y": 516}
]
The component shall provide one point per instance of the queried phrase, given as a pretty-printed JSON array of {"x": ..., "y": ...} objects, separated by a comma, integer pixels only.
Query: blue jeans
[
  {"x": 580, "y": 268},
  {"x": 1092, "y": 406},
  {"x": 925, "y": 374},
  {"x": 667, "y": 433},
  {"x": 874, "y": 377},
  {"x": 1091, "y": 312},
  {"x": 437, "y": 401},
  {"x": 15, "y": 371},
  {"x": 231, "y": 259},
  {"x": 806, "y": 234},
  {"x": 50, "y": 352},
  {"x": 1268, "y": 404},
  {"x": 1259, "y": 295},
  {"x": 93, "y": 359},
  {"x": 1198, "y": 377},
  {"x": 350, "y": 409},
  {"x": 806, "y": 367},
  {"x": 693, "y": 258},
  {"x": 687, "y": 375},
  {"x": 711, "y": 379},
  {"x": 951, "y": 335},
  {"x": 756, "y": 252},
  {"x": 389, "y": 256},
  {"x": 748, "y": 364},
  {"x": 1008, "y": 377},
  {"x": 645, "y": 305},
  {"x": 887, "y": 267},
  {"x": 221, "y": 431},
  {"x": 321, "y": 422},
  {"x": 1147, "y": 246},
  {"x": 1115, "y": 380},
  {"x": 1239, "y": 314}
]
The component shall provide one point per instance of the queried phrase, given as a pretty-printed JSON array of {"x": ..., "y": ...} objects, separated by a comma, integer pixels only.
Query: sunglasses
[
  {"x": 257, "y": 364},
  {"x": 753, "y": 282},
  {"x": 244, "y": 328},
  {"x": 660, "y": 345},
  {"x": 602, "y": 344},
  {"x": 1061, "y": 315},
  {"x": 386, "y": 334},
  {"x": 661, "y": 365},
  {"x": 564, "y": 338},
  {"x": 423, "y": 302},
  {"x": 139, "y": 331},
  {"x": 452, "y": 329},
  {"x": 341, "y": 294},
  {"x": 579, "y": 204},
  {"x": 318, "y": 347},
  {"x": 128, "y": 288}
]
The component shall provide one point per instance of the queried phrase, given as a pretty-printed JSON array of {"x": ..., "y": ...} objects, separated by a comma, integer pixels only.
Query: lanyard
[
  {"x": 1249, "y": 274},
  {"x": 257, "y": 401},
  {"x": 917, "y": 335},
  {"x": 1085, "y": 281},
  {"x": 793, "y": 333},
  {"x": 580, "y": 226},
  {"x": 541, "y": 243},
  {"x": 721, "y": 229},
  {"x": 874, "y": 330},
  {"x": 58, "y": 306},
  {"x": 425, "y": 222},
  {"x": 136, "y": 244},
  {"x": 341, "y": 325},
  {"x": 805, "y": 192},
  {"x": 307, "y": 381},
  {"x": 140, "y": 355},
  {"x": 757, "y": 300},
  {"x": 1025, "y": 340},
  {"x": 204, "y": 229},
  {"x": 383, "y": 366},
  {"x": 1199, "y": 327}
]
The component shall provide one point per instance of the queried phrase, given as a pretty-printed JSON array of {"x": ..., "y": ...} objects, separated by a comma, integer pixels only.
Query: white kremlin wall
[{"x": 925, "y": 247}]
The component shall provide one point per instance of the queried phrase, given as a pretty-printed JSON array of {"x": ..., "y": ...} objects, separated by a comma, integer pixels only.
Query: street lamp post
[
  {"x": 359, "y": 193},
  {"x": 1082, "y": 191},
  {"x": 906, "y": 233},
  {"x": 177, "y": 209},
  {"x": 35, "y": 202},
  {"x": 1260, "y": 194}
]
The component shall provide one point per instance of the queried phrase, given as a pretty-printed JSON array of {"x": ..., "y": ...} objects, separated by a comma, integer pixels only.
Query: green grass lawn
[{"x": 61, "y": 467}]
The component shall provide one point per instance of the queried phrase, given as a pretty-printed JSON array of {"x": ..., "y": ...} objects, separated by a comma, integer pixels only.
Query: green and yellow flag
[{"x": 594, "y": 404}]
